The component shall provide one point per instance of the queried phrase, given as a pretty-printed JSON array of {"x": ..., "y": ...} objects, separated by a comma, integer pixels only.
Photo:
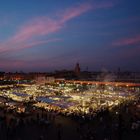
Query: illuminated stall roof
[
  {"x": 44, "y": 99},
  {"x": 20, "y": 94}
]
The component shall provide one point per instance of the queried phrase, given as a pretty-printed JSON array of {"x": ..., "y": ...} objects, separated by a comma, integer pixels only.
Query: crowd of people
[
  {"x": 43, "y": 122},
  {"x": 111, "y": 125}
]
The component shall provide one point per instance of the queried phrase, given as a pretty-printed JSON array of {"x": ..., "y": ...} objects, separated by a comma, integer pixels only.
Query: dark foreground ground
[{"x": 105, "y": 126}]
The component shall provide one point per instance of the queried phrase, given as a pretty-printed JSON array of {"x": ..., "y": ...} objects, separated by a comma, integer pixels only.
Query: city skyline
[{"x": 48, "y": 35}]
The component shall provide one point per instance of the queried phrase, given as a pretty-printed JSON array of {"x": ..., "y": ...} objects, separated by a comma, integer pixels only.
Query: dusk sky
[{"x": 48, "y": 35}]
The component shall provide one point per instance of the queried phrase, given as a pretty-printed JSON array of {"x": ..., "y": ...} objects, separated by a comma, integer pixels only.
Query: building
[{"x": 77, "y": 69}]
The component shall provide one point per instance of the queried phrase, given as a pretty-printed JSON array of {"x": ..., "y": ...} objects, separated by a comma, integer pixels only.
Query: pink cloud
[
  {"x": 73, "y": 12},
  {"x": 35, "y": 28},
  {"x": 127, "y": 41},
  {"x": 27, "y": 35},
  {"x": 43, "y": 26},
  {"x": 37, "y": 43},
  {"x": 28, "y": 45}
]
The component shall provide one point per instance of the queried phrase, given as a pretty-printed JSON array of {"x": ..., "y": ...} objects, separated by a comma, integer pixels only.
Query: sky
[{"x": 48, "y": 35}]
